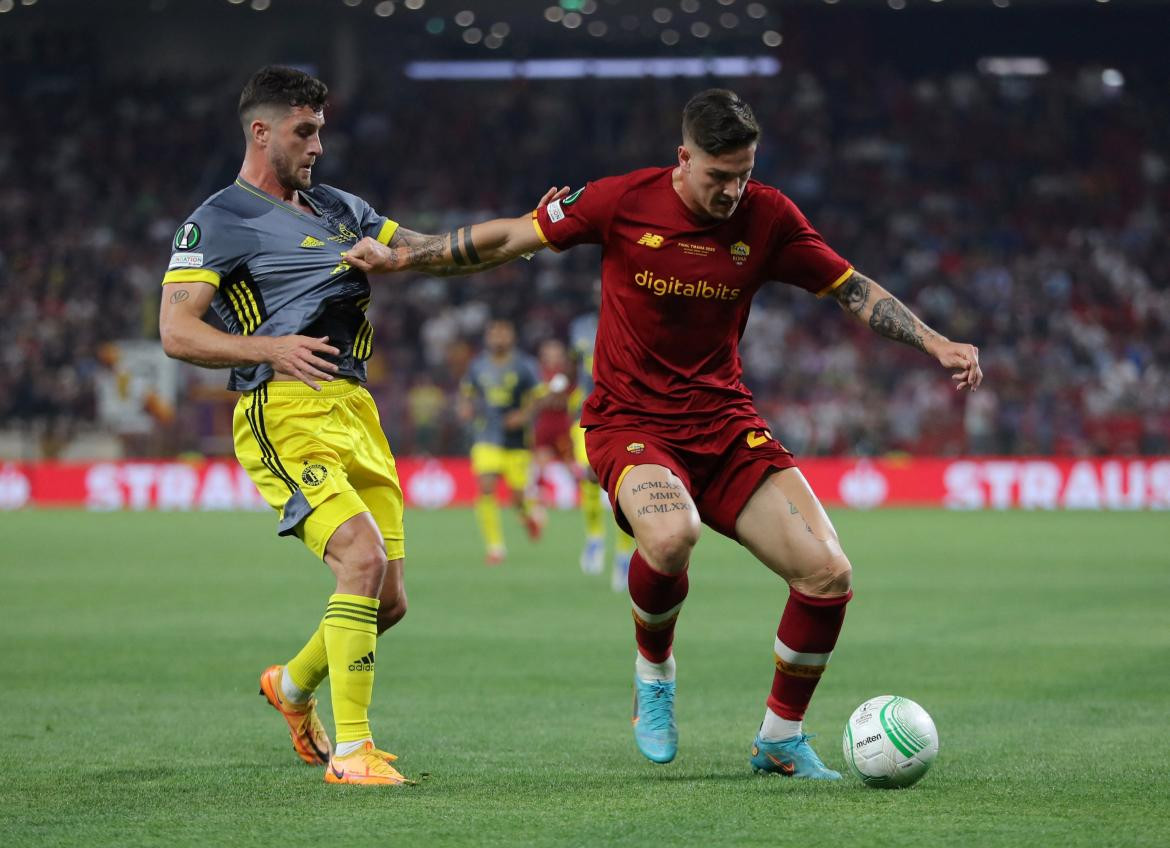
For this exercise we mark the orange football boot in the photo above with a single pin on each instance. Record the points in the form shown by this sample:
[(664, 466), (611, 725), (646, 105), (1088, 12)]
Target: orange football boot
[(309, 738), (367, 766)]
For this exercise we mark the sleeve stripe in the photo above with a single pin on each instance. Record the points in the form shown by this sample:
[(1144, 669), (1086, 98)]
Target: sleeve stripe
[(540, 232), (387, 232), (192, 275), (836, 283)]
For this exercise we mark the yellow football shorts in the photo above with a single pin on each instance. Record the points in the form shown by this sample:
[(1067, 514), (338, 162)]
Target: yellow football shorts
[(319, 459), (513, 463), (577, 434)]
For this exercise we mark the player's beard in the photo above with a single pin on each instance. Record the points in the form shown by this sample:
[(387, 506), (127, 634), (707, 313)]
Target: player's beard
[(288, 175)]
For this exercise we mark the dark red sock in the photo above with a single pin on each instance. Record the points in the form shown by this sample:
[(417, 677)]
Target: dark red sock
[(657, 598), (805, 639)]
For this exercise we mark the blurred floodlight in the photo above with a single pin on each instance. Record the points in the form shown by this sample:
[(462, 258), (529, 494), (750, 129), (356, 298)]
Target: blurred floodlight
[(554, 14), (1013, 66), (729, 20), (897, 4), (352, 3), (6, 6), (501, 29), (773, 38), (689, 6), (474, 35), (261, 5), (1112, 78), (414, 5), (465, 18), (700, 29), (489, 69), (756, 10), (384, 9), (662, 15), (670, 37), (572, 20), (598, 28)]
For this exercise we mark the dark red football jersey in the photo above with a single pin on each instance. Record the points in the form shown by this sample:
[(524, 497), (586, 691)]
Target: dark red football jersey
[(676, 290)]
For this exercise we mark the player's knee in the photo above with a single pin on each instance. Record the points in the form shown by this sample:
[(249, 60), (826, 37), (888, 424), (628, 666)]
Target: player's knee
[(365, 565), (830, 577), (667, 546)]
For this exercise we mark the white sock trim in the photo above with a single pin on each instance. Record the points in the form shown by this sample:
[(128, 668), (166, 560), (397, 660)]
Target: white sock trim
[(662, 672), (776, 729), (291, 692), (344, 749)]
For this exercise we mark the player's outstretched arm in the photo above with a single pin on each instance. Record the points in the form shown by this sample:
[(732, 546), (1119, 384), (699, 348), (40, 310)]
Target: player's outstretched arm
[(467, 250), (185, 335), (887, 316)]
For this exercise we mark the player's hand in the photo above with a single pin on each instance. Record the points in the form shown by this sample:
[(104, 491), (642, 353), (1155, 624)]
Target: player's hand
[(373, 257), (552, 194), (298, 356), (963, 360)]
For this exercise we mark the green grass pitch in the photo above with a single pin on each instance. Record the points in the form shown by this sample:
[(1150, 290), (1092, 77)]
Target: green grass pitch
[(1039, 642)]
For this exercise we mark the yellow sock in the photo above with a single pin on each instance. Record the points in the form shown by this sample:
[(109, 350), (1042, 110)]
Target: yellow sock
[(351, 629), (487, 512), (309, 667), (623, 543), (591, 508)]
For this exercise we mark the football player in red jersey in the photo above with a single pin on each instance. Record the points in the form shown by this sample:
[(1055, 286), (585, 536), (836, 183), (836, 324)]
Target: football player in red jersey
[(671, 430)]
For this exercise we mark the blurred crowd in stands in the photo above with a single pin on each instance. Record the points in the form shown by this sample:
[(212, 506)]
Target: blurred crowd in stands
[(1027, 216)]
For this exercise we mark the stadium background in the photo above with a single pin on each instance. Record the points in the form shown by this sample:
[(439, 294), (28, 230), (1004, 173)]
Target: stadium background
[(1002, 166)]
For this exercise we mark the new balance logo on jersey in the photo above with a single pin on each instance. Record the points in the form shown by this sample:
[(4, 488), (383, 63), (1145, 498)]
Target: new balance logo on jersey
[(365, 663), (312, 242), (651, 240)]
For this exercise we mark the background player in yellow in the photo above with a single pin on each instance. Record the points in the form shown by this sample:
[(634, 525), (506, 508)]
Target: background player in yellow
[(498, 398), (267, 253), (582, 336)]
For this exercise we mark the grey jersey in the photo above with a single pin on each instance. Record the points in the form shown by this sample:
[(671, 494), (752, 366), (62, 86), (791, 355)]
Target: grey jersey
[(497, 389), (278, 271)]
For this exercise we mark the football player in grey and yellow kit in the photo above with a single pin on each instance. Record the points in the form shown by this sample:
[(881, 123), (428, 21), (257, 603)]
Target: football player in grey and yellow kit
[(267, 253), (499, 393)]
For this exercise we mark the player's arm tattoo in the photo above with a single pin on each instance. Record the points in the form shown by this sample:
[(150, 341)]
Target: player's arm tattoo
[(180, 296), (447, 255), (853, 293), (886, 315)]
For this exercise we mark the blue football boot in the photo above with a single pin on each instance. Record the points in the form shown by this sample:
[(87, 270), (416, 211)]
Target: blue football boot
[(790, 758), (654, 727)]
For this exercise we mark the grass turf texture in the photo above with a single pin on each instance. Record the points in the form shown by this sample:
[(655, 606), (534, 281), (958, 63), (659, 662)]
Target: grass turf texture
[(132, 645)]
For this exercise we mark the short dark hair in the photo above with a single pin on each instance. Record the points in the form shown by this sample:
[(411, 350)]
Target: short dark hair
[(718, 121), (279, 85)]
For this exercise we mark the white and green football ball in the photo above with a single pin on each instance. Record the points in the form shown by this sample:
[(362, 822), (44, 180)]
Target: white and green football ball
[(890, 742)]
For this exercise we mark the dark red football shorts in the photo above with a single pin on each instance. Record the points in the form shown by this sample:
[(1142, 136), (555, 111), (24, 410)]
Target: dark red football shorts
[(721, 469)]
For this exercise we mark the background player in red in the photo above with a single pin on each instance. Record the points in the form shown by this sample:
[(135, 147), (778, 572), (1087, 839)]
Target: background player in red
[(671, 429)]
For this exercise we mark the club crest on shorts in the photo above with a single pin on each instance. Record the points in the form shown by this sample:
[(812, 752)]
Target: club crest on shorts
[(314, 475), (635, 447)]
